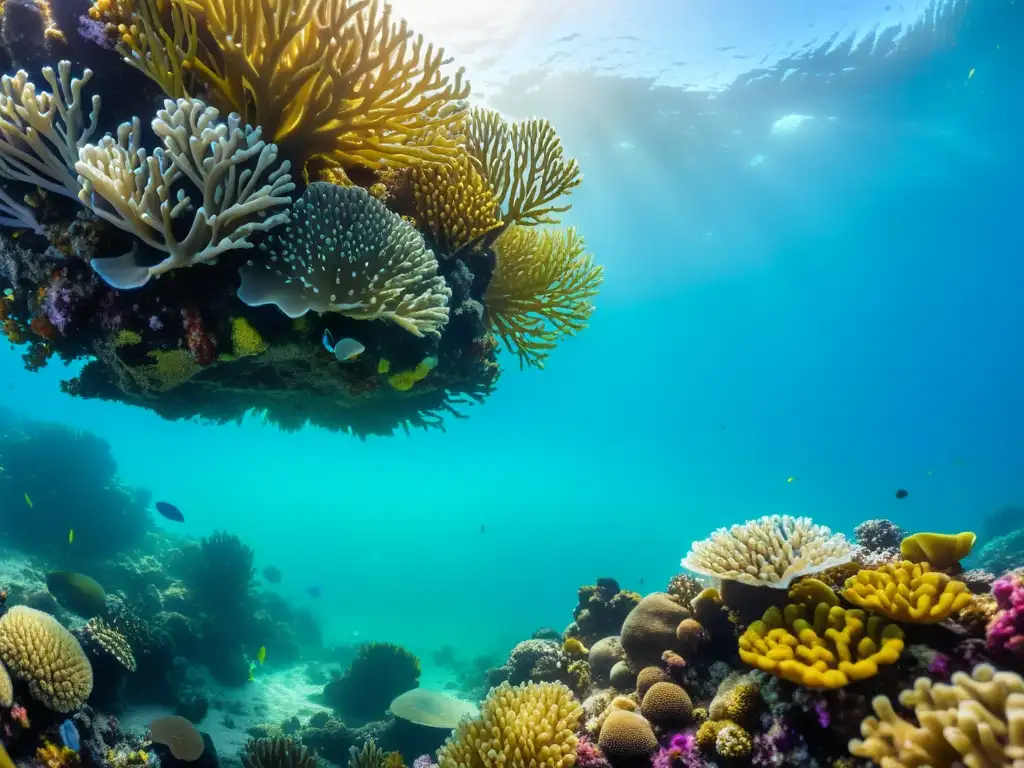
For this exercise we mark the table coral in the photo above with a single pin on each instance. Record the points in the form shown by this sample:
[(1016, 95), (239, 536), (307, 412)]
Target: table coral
[(976, 720), (821, 647), (1005, 633), (939, 550), (909, 592)]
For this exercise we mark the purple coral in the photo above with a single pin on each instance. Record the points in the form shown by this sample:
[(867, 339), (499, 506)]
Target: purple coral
[(1006, 631), (680, 751), (57, 304), (589, 755)]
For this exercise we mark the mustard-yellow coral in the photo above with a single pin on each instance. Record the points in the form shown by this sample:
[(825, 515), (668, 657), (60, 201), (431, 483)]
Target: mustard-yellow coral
[(525, 166), (541, 290), (940, 550), (246, 340), (454, 203), (910, 592), (37, 649), (339, 81), (976, 720), (829, 648), (527, 726)]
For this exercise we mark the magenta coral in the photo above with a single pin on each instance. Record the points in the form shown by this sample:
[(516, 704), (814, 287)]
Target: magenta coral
[(1006, 630), (589, 755), (681, 752)]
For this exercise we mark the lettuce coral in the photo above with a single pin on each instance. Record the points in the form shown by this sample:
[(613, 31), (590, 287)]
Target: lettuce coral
[(541, 290), (910, 592)]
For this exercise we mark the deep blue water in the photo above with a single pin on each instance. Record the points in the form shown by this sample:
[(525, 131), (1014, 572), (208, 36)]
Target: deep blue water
[(838, 303)]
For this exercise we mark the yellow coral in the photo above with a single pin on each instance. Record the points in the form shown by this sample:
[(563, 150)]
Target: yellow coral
[(246, 340), (940, 550), (6, 688), (906, 591), (170, 369), (404, 380), (574, 647), (525, 166), (737, 699), (340, 81), (541, 290), (52, 756), (836, 647), (454, 203), (126, 338), (708, 733), (977, 720), (733, 742), (527, 726), (812, 592), (37, 649)]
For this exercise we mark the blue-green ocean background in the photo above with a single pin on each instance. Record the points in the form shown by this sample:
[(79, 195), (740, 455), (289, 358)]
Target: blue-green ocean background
[(839, 303)]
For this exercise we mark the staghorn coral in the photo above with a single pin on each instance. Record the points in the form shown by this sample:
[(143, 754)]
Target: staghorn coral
[(100, 636), (977, 720), (829, 649), (143, 194), (525, 166), (345, 252), (908, 592), (280, 752), (335, 80), (939, 550), (453, 203), (541, 290), (770, 551), (37, 649), (527, 726)]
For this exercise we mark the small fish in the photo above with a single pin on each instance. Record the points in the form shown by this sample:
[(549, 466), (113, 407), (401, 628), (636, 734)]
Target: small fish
[(970, 74), (315, 591), (929, 472), (346, 350), (29, 501), (71, 536), (69, 735), (272, 574), (901, 494), (482, 529), (792, 478), (170, 511), (262, 655), (641, 581)]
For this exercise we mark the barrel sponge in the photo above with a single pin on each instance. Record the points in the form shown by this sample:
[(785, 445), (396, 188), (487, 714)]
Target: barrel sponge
[(6, 688), (909, 592), (37, 649), (647, 677), (823, 647), (530, 725), (975, 720), (667, 704), (650, 629), (771, 551), (626, 736)]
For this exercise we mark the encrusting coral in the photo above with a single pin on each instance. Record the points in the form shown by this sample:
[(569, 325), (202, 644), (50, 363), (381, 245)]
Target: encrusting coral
[(824, 647), (37, 649), (770, 551), (977, 720), (910, 592), (532, 725)]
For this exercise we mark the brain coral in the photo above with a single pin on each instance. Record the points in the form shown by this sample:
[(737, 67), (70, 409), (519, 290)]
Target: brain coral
[(833, 649), (626, 736), (650, 629), (37, 649), (977, 720), (603, 656), (771, 551), (647, 677), (531, 725), (667, 704), (906, 591)]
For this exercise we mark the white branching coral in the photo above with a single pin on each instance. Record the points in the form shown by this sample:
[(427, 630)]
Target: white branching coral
[(345, 252), (770, 552), (977, 720), (236, 174)]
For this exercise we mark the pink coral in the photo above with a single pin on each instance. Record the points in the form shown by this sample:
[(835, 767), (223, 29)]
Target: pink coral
[(681, 752), (589, 755), (1006, 630)]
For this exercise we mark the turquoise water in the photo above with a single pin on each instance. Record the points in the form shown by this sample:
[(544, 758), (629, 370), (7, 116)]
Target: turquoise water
[(833, 297)]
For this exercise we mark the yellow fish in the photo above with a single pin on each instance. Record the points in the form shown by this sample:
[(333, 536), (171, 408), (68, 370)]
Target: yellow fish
[(71, 536), (5, 759), (791, 479), (970, 74), (28, 501), (262, 656)]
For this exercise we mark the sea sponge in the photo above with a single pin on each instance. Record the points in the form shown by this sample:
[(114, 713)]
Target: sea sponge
[(826, 647), (647, 677), (37, 649), (6, 688), (527, 726), (179, 735), (976, 720), (737, 699), (650, 629), (940, 550), (770, 551), (906, 591), (279, 752), (667, 704), (626, 736)]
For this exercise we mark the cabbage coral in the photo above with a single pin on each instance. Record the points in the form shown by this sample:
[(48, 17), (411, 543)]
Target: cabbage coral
[(541, 290)]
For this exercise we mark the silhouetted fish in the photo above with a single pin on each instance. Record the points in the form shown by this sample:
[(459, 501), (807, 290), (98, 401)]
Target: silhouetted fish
[(315, 591), (482, 529), (77, 593), (272, 574), (170, 511), (901, 494)]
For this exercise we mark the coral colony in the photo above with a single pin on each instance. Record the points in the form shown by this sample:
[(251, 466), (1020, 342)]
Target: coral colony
[(260, 196)]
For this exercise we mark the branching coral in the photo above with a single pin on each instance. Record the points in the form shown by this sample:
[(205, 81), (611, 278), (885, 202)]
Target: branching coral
[(345, 252), (770, 551), (454, 203), (525, 166), (335, 80), (828, 649), (227, 162), (977, 720), (908, 592), (527, 726), (541, 290), (278, 752), (107, 640)]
